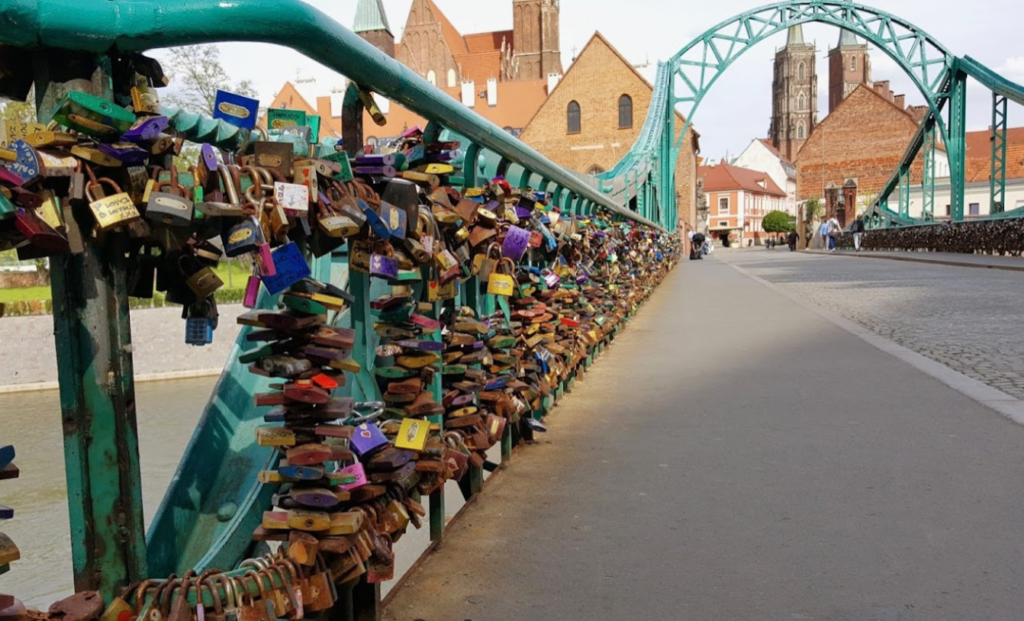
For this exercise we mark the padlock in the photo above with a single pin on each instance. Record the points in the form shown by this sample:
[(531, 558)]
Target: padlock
[(44, 239), (110, 211), (502, 282), (383, 264), (200, 323), (168, 203)]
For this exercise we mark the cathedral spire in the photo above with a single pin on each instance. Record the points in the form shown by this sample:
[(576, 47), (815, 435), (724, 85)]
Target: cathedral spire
[(796, 36), (370, 16), (847, 38)]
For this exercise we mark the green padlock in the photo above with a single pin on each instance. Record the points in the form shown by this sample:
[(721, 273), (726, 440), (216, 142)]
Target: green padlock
[(93, 116)]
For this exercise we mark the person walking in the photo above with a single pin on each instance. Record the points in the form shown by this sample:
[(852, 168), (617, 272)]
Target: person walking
[(857, 228), (823, 232), (793, 239), (834, 231)]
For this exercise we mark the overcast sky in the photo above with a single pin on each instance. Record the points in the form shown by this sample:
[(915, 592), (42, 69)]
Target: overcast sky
[(738, 108)]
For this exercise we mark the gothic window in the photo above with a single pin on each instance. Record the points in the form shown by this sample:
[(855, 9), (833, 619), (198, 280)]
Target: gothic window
[(800, 71), (800, 135), (595, 170), (432, 77), (572, 115), (853, 63), (625, 112), (451, 78), (801, 102)]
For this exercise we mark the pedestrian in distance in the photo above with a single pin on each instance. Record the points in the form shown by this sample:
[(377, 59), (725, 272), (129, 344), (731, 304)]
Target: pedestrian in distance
[(834, 231), (793, 239), (823, 231), (857, 228)]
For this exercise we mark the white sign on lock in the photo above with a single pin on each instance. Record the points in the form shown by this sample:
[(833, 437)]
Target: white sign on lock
[(292, 196)]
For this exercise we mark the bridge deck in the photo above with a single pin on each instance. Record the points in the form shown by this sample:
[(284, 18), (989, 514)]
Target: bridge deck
[(743, 458)]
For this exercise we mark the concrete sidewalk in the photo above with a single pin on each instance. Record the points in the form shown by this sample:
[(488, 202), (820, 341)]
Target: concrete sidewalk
[(741, 458)]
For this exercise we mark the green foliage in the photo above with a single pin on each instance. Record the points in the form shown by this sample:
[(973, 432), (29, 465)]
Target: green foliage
[(24, 111), (777, 222), (196, 75), (813, 209)]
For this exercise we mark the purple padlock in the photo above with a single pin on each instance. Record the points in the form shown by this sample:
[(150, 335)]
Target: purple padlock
[(382, 266), (515, 244), (551, 279), (523, 213), (367, 439), (146, 129), (125, 152), (209, 157)]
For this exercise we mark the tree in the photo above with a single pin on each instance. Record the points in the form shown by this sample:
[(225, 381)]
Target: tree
[(196, 76), (777, 222), (24, 111), (813, 209)]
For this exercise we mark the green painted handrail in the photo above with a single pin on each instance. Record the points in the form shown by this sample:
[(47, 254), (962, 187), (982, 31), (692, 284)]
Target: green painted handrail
[(137, 25)]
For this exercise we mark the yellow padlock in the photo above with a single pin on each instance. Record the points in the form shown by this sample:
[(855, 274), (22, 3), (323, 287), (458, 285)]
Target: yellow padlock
[(502, 283)]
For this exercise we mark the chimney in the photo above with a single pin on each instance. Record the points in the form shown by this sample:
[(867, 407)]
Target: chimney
[(469, 94), (337, 101), (900, 101), (553, 80), (492, 92)]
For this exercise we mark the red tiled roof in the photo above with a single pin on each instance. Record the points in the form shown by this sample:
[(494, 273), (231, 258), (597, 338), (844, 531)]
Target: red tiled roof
[(487, 41), (479, 67), (456, 43), (517, 103), (979, 154), (725, 177)]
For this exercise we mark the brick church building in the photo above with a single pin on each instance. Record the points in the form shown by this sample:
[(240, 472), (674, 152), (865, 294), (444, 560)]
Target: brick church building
[(845, 159), (596, 113)]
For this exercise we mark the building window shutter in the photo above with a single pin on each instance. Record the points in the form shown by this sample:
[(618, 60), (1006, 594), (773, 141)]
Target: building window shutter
[(573, 118), (625, 112)]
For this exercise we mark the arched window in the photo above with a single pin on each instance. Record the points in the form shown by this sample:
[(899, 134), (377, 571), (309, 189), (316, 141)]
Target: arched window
[(853, 63), (800, 132), (595, 170), (451, 78), (801, 102), (625, 112), (432, 77), (800, 71), (572, 119)]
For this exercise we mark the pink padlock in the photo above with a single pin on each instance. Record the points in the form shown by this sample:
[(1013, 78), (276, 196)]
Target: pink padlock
[(252, 291), (355, 470)]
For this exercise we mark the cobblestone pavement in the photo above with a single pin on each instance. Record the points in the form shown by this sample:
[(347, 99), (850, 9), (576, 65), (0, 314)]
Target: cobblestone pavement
[(964, 318)]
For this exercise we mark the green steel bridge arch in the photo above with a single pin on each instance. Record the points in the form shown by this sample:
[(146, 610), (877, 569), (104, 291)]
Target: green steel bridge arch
[(206, 521), (684, 80)]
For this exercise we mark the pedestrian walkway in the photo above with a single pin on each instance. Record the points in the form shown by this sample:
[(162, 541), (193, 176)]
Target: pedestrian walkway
[(734, 456)]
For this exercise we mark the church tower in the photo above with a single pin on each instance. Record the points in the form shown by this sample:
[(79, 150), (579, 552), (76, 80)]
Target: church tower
[(794, 95), (849, 66), (535, 38), (371, 24)]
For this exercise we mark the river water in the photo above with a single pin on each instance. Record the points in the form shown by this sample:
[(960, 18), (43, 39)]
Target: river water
[(167, 415)]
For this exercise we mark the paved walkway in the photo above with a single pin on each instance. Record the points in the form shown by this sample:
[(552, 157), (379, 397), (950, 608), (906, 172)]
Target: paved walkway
[(963, 318), (734, 456)]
